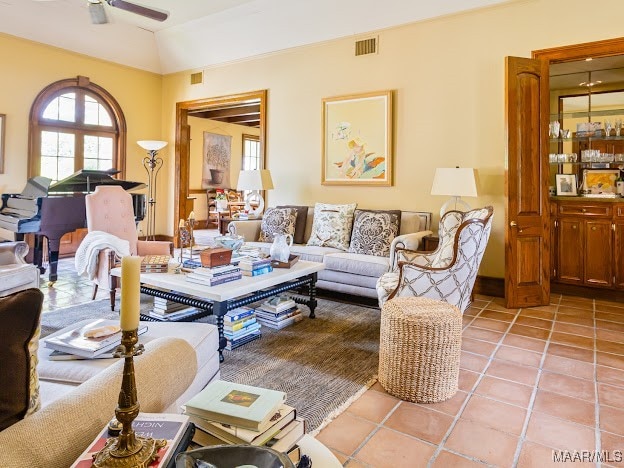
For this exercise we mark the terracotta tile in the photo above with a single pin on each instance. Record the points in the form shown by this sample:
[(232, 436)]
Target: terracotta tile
[(472, 311), (570, 409), (610, 347), (378, 388), (519, 356), (563, 365), (609, 335), (574, 329), (356, 464), (608, 303), (467, 379), (481, 334), (373, 406), (467, 438), (552, 308), (472, 362), (610, 376), (505, 391), (415, 420), (342, 458), (346, 433), (613, 326), (573, 340), (447, 459), (484, 348), (618, 318), (610, 307), (450, 406), (611, 443), (559, 434), (534, 455), (579, 302), (499, 304), (566, 310), (612, 420), (610, 395), (490, 324), (570, 352), (510, 371), (611, 360), (496, 315), (540, 314), (530, 332), (587, 322), (568, 385), (534, 322), (495, 414), (524, 343), (388, 448), (466, 321)]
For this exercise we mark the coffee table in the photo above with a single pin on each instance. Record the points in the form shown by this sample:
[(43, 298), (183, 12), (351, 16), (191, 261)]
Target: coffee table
[(217, 300)]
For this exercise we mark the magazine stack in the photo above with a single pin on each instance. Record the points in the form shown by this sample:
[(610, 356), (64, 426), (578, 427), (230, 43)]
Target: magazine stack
[(165, 309), (240, 326), (214, 276), (278, 312), (255, 266)]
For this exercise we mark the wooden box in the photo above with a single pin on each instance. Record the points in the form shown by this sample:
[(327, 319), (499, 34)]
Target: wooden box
[(215, 256)]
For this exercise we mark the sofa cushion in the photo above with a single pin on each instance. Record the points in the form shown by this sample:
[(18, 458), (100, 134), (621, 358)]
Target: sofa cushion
[(20, 315), (373, 232), (358, 264), (332, 225), (313, 253), (277, 221), (300, 223), (15, 275)]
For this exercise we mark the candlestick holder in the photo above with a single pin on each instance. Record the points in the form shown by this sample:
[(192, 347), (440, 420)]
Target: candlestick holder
[(128, 449)]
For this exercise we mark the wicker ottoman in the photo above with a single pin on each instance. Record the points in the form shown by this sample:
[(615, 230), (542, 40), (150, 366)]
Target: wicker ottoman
[(419, 349)]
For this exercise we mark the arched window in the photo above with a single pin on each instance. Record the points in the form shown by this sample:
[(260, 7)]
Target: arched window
[(75, 124)]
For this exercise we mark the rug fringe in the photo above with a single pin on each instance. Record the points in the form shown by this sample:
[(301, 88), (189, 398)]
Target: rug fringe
[(338, 411)]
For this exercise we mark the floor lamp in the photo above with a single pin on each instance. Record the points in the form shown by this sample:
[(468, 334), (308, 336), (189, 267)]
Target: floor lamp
[(152, 164), (456, 182)]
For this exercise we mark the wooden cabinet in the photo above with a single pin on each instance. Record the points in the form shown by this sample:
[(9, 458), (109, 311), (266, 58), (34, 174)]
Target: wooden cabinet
[(588, 240)]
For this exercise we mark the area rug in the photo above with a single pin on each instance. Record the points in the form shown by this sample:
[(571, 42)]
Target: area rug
[(321, 363)]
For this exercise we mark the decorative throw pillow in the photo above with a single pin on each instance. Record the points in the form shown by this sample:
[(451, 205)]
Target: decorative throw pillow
[(277, 221), (20, 315), (373, 231), (300, 225), (332, 225)]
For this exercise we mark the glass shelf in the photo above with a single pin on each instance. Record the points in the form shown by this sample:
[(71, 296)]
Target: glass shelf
[(598, 113), (587, 138), (597, 165)]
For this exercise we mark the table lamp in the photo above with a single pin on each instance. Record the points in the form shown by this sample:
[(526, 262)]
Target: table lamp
[(455, 182), (254, 180)]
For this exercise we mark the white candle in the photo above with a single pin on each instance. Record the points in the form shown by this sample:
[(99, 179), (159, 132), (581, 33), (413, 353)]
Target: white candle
[(181, 224), (191, 216), (130, 293)]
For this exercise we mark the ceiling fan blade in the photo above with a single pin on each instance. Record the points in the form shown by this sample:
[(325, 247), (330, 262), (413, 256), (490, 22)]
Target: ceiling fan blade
[(157, 15)]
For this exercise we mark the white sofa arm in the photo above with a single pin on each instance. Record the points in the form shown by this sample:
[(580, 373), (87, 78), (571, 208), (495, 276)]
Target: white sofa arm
[(250, 229), (409, 241), (57, 434)]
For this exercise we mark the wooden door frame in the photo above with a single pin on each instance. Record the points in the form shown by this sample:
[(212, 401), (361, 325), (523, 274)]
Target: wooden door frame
[(182, 144)]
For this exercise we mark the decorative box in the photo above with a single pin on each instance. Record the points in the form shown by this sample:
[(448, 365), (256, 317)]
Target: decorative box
[(215, 256)]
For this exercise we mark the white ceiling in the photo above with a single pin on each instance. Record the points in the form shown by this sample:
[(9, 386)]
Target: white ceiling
[(201, 33)]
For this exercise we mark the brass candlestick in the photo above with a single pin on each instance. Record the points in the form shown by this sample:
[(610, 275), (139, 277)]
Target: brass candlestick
[(127, 449)]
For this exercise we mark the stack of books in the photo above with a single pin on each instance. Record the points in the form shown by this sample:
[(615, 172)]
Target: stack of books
[(278, 312), (240, 327), (230, 413), (155, 263), (255, 266), (215, 275)]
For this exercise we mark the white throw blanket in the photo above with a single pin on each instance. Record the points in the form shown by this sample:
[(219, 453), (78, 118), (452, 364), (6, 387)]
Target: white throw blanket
[(86, 259)]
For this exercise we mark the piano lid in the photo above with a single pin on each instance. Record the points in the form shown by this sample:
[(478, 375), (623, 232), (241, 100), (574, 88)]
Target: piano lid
[(86, 180)]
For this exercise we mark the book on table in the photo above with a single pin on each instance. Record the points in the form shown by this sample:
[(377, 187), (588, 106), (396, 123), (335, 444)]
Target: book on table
[(258, 271), (243, 332), (288, 437), (236, 404), (171, 427), (155, 263), (278, 304), (74, 340)]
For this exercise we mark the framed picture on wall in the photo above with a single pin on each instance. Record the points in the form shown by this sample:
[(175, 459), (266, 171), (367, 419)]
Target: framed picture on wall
[(566, 184), (357, 139)]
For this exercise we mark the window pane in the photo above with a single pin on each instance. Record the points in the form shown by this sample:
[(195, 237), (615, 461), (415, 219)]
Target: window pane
[(106, 147), (90, 146), (91, 112), (67, 107), (51, 112), (65, 167), (49, 167), (49, 144), (104, 164), (66, 145), (103, 117), (90, 164)]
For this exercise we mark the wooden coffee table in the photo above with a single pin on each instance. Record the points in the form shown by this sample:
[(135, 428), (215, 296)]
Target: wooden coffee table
[(217, 300)]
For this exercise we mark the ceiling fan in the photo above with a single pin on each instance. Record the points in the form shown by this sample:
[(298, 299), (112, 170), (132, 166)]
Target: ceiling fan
[(98, 14)]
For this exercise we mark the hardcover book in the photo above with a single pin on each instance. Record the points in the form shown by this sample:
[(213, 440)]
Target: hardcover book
[(278, 304), (236, 404), (233, 344), (237, 314)]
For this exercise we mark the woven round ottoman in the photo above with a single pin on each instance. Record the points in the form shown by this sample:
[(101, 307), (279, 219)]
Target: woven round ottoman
[(420, 343)]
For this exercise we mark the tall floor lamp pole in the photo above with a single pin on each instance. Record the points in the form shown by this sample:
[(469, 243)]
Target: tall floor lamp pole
[(152, 164)]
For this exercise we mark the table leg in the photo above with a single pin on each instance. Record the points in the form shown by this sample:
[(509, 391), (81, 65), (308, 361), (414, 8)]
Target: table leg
[(312, 291), (220, 309)]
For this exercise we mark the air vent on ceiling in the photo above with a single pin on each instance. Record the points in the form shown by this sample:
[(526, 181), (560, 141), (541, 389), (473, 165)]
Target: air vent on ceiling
[(197, 78), (366, 46)]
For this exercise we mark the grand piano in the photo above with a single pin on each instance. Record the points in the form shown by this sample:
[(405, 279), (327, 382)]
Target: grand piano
[(51, 211)]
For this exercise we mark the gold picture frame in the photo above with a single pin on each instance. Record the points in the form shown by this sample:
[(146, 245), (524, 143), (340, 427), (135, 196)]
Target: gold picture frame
[(600, 181), (357, 139)]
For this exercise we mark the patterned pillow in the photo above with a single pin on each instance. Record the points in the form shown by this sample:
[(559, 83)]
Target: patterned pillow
[(332, 225), (277, 221), (373, 232)]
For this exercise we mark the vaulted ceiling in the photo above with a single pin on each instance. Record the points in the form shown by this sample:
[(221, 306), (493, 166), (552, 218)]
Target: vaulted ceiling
[(202, 33)]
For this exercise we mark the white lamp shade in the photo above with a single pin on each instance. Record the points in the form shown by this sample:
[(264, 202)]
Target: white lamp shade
[(455, 182), (255, 180), (152, 145)]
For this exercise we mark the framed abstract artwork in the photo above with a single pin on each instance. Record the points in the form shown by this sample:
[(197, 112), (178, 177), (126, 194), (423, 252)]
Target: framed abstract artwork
[(357, 139), (600, 182)]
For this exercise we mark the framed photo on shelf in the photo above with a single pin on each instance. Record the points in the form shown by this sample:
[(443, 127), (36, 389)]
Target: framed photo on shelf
[(566, 185), (600, 181)]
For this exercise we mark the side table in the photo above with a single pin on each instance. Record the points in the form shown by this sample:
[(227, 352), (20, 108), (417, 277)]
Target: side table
[(225, 220), (429, 243)]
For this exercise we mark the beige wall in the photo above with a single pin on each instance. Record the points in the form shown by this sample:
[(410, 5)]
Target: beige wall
[(28, 67), (448, 77)]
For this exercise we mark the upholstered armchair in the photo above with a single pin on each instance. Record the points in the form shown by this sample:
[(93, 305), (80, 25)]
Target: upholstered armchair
[(15, 273), (109, 209), (449, 272)]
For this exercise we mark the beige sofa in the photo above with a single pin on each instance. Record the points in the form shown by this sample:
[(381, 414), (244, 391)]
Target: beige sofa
[(346, 272), (79, 397)]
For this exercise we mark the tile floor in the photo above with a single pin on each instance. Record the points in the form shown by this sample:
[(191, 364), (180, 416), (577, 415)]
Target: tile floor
[(531, 380)]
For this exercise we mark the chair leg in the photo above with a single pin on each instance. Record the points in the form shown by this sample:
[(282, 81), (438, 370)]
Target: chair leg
[(112, 298), (95, 289)]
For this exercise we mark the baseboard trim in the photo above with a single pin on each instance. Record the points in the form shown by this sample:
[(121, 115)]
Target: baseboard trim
[(489, 286)]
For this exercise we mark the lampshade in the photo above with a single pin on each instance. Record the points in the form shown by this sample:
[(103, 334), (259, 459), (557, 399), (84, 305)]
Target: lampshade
[(152, 145), (255, 180), (455, 182)]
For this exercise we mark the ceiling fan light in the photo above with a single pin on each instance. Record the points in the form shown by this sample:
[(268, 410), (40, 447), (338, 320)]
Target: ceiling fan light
[(98, 14)]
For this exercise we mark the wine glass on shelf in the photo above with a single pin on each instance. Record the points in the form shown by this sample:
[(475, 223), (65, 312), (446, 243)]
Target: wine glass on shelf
[(608, 128), (618, 127)]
